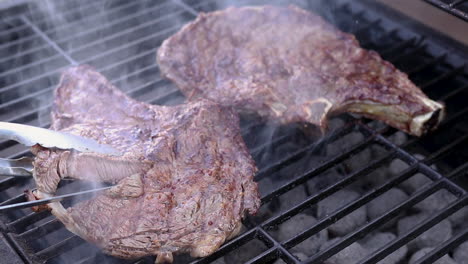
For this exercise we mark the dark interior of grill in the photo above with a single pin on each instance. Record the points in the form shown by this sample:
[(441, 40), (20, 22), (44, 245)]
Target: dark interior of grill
[(300, 171)]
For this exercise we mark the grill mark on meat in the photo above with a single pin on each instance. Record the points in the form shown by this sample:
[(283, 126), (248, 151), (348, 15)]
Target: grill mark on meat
[(183, 184), (277, 61)]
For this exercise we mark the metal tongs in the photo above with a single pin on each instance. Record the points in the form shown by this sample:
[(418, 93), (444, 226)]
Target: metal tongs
[(30, 136)]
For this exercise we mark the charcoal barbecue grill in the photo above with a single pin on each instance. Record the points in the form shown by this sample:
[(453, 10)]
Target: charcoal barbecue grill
[(119, 38)]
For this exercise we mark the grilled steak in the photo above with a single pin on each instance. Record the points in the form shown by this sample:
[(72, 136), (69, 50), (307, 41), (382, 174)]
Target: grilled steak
[(289, 65), (183, 184)]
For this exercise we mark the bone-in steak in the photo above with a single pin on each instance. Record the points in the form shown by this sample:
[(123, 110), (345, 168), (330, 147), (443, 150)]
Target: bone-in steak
[(289, 65), (183, 184)]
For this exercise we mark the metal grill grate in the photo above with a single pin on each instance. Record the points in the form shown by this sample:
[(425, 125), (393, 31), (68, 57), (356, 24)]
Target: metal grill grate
[(458, 8), (119, 39)]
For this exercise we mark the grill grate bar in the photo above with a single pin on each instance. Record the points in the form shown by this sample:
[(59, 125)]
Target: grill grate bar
[(418, 48), (7, 183), (35, 78), (14, 29), (29, 65), (453, 93), (27, 220), (444, 76), (428, 64), (448, 148), (444, 248), (29, 52), (264, 257), (401, 46), (275, 141), (48, 40), (186, 7), (419, 229), (271, 253), (15, 199), (62, 246), (456, 2), (457, 171), (42, 230), (229, 246), (19, 42)]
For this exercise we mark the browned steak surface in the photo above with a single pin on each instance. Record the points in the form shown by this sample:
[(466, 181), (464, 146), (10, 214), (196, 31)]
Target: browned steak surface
[(290, 65), (183, 184)]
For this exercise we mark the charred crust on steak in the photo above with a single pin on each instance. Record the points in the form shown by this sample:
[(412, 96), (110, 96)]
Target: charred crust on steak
[(276, 60)]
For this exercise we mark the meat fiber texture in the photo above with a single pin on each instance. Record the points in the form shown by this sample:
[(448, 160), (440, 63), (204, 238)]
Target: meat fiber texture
[(183, 183), (289, 65)]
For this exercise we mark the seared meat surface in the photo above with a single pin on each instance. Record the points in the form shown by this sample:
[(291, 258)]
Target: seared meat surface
[(289, 65), (183, 183)]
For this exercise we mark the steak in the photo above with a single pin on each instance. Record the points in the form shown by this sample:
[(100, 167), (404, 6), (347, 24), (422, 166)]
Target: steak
[(183, 183), (289, 65)]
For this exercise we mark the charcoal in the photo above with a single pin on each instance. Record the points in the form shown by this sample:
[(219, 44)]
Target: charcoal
[(399, 138), (421, 253), (348, 223), (435, 202), (384, 203), (375, 241), (293, 197), (460, 255), (323, 180), (265, 186), (245, 253), (219, 261), (414, 183), (458, 219), (374, 179), (432, 237), (301, 256), (350, 254), (396, 167), (358, 160), (344, 143), (298, 224)]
